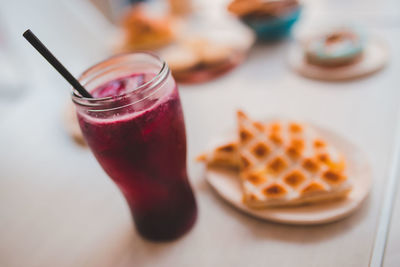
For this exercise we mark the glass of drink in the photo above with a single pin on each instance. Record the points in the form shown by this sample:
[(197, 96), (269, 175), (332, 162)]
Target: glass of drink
[(135, 128)]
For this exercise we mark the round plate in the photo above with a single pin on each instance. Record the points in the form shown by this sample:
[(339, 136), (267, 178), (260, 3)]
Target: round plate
[(374, 59), (227, 185)]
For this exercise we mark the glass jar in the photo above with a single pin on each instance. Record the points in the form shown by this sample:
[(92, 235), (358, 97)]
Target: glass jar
[(137, 134)]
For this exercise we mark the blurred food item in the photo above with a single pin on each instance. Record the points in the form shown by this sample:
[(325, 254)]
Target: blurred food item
[(180, 58), (197, 48), (72, 124), (142, 31), (209, 52), (337, 47), (282, 163), (270, 19), (198, 59), (194, 53), (180, 7), (207, 48)]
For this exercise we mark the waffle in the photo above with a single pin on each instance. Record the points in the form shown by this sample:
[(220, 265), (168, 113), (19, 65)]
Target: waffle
[(286, 163), (225, 156), (282, 163)]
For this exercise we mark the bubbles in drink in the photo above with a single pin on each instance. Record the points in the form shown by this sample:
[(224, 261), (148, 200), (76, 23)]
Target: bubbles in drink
[(122, 85)]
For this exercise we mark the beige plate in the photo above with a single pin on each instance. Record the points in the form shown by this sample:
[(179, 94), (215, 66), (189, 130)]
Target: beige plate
[(374, 59), (227, 185)]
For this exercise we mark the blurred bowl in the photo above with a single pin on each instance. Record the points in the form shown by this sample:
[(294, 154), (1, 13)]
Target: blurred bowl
[(273, 28)]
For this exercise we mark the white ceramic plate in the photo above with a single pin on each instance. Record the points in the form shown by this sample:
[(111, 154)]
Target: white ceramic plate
[(374, 59), (227, 185)]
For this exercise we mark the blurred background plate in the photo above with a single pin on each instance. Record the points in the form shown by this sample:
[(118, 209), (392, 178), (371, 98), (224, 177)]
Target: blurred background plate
[(374, 58)]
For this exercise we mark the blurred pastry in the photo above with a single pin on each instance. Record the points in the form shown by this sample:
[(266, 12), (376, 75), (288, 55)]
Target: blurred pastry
[(197, 55), (339, 47), (208, 52), (145, 32), (180, 7), (180, 58)]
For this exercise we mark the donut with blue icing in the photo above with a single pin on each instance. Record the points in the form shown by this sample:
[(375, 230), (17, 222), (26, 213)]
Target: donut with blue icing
[(336, 48)]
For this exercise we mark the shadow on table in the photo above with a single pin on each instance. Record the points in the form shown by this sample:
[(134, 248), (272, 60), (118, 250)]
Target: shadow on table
[(262, 229)]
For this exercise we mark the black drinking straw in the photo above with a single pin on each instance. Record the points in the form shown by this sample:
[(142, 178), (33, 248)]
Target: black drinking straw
[(42, 49)]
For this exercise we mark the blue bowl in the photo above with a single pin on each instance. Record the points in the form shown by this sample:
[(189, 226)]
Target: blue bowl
[(269, 29)]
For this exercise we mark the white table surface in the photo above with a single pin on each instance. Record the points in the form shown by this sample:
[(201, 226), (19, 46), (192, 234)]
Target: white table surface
[(58, 208), (392, 255)]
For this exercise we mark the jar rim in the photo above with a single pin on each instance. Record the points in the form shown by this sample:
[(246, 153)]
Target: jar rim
[(152, 83)]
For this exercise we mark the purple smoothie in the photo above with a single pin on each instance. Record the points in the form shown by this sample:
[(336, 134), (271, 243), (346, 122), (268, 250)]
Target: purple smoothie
[(143, 149)]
